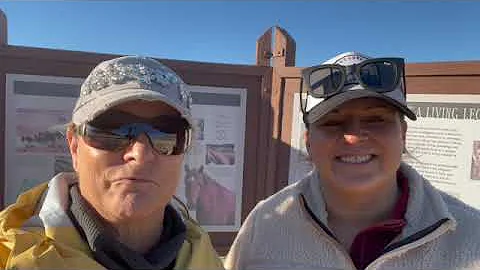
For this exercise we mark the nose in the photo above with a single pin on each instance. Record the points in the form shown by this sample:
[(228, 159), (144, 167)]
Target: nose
[(354, 139), (140, 150), (354, 133)]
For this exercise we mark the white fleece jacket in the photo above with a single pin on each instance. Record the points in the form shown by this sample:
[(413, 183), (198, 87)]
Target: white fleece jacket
[(289, 230)]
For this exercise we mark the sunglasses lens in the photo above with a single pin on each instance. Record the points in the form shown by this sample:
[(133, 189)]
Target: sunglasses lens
[(164, 143), (325, 81), (381, 75), (109, 142), (170, 142)]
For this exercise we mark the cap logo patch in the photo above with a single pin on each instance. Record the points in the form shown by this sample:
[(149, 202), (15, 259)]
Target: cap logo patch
[(123, 73), (351, 59)]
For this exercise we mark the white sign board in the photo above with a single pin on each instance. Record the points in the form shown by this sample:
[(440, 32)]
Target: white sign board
[(213, 171), (33, 154), (443, 143), (300, 164)]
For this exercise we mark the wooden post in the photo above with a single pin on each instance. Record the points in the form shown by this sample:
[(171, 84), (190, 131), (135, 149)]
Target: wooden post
[(284, 52), (281, 54), (3, 29), (264, 48)]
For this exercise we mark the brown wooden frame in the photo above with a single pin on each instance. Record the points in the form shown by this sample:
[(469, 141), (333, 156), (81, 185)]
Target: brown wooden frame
[(421, 78), (256, 79), (270, 93)]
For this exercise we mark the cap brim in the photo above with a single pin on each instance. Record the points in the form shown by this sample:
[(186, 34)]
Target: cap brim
[(331, 103), (90, 110)]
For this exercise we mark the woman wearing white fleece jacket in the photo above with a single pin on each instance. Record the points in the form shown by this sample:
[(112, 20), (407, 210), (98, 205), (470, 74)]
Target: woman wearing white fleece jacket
[(361, 208)]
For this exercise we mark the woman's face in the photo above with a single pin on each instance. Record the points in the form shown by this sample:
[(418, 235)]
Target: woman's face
[(357, 146), (129, 185)]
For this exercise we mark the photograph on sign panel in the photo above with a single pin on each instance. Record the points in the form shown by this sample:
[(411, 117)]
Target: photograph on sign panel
[(34, 134), (220, 154), (475, 168)]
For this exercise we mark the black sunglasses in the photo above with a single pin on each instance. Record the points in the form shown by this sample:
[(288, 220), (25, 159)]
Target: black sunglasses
[(171, 139), (377, 74)]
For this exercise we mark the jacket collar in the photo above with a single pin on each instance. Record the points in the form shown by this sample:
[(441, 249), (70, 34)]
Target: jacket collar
[(42, 206), (425, 206), (51, 213), (42, 210)]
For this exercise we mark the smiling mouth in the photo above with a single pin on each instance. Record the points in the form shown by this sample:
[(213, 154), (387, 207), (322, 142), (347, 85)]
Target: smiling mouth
[(355, 159)]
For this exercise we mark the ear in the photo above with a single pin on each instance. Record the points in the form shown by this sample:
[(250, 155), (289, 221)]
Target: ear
[(72, 141)]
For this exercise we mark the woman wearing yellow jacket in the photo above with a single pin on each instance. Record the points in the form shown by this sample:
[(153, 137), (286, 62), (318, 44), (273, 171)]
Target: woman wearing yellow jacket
[(130, 129)]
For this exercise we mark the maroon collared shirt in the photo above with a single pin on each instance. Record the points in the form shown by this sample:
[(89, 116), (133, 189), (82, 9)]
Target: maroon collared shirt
[(370, 243)]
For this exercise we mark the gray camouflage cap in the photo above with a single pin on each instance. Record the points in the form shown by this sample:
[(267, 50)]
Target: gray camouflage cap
[(130, 78)]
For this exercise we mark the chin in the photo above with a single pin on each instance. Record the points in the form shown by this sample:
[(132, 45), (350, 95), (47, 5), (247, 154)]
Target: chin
[(134, 208), (129, 215), (356, 183)]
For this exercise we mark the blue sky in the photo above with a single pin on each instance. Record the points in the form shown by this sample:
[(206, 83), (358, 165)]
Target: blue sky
[(226, 31)]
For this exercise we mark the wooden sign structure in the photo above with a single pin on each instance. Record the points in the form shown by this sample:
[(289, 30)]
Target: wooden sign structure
[(59, 66), (271, 87)]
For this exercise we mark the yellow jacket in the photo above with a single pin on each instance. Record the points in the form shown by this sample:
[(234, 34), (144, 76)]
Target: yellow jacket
[(35, 233)]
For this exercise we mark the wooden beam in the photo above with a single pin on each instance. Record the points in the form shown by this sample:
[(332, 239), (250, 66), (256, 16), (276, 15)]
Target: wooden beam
[(264, 48), (3, 29), (284, 52)]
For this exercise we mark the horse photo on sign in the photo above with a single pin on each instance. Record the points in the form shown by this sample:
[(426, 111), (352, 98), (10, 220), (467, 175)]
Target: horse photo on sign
[(213, 203)]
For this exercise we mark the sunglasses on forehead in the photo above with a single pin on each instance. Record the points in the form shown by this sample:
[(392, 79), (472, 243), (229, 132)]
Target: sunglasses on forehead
[(378, 74), (166, 140)]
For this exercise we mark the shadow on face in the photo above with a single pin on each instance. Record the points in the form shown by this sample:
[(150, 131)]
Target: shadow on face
[(358, 145), (131, 184)]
